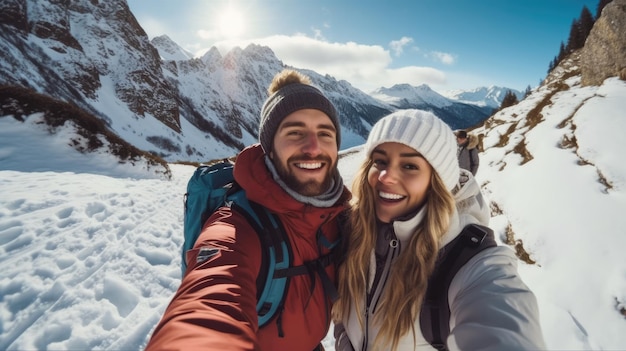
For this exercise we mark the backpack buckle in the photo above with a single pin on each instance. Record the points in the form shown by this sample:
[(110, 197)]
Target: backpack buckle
[(475, 234)]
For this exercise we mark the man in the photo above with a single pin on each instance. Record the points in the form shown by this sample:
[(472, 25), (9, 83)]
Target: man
[(293, 173), (467, 151)]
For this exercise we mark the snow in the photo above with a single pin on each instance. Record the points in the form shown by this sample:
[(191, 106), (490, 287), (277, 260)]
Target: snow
[(90, 249)]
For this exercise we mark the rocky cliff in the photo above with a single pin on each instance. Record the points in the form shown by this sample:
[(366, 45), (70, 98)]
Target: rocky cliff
[(604, 53)]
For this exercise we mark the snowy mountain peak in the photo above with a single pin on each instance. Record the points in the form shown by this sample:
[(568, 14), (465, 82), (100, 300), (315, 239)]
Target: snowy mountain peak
[(169, 50), (212, 55), (416, 94), (483, 96)]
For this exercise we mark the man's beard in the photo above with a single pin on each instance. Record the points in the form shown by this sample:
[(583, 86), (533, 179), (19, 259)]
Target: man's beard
[(307, 188)]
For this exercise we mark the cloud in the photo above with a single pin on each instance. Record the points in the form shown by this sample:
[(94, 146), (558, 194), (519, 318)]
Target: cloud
[(445, 58), (397, 46), (317, 34), (366, 67)]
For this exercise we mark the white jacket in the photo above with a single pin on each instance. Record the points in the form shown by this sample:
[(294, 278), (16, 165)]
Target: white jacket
[(490, 306)]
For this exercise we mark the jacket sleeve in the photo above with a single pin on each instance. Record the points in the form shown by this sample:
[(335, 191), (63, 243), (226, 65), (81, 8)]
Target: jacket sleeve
[(215, 305), (475, 160), (490, 306)]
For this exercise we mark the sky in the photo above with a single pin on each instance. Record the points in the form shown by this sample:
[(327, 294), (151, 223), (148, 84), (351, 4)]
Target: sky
[(448, 45), (90, 249)]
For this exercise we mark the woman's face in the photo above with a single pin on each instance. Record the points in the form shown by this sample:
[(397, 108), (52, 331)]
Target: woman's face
[(400, 178)]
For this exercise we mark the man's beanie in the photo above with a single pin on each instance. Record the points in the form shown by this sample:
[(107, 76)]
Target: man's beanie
[(425, 133), (291, 91)]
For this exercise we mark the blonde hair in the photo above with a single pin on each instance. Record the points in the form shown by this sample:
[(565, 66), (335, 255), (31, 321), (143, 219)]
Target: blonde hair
[(399, 307)]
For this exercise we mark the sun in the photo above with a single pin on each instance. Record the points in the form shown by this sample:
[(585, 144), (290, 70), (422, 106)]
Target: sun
[(231, 22)]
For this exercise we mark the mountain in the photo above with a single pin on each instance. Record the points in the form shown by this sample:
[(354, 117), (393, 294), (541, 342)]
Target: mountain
[(169, 50), (489, 97), (82, 136), (154, 94), (96, 56), (458, 114), (401, 95)]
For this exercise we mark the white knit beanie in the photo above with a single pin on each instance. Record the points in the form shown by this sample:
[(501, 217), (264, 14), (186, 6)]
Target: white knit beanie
[(424, 132)]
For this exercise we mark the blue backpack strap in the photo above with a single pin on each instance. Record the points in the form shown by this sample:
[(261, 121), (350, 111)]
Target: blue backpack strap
[(276, 256), (435, 312)]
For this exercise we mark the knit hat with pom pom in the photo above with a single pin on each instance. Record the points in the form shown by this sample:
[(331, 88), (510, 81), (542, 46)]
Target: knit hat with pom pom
[(291, 91)]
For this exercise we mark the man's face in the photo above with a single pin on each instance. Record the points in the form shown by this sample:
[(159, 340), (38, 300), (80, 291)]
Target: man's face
[(305, 151), (460, 140)]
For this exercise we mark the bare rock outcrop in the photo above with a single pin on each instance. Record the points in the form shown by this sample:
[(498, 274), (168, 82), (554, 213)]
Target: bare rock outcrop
[(604, 53)]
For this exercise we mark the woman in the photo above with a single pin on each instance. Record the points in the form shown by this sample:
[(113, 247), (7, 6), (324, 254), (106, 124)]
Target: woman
[(410, 199)]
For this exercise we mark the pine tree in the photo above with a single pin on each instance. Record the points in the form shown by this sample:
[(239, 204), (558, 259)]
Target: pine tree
[(562, 52), (509, 100), (586, 23), (580, 30), (551, 66), (575, 40), (527, 91)]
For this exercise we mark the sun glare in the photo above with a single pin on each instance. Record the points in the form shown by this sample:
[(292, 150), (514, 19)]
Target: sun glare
[(231, 23)]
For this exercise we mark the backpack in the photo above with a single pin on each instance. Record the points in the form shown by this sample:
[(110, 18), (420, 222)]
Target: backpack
[(435, 312), (211, 187)]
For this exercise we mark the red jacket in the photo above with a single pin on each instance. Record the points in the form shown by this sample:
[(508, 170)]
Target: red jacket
[(215, 305)]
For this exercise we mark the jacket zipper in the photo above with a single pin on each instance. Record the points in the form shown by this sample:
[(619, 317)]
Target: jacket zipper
[(367, 327), (381, 284), (368, 301)]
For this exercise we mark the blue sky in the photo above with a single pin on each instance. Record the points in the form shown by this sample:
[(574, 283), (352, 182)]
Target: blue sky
[(453, 44)]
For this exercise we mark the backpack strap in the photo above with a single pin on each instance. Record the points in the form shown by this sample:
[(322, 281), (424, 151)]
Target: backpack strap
[(276, 256), (473, 152), (317, 266), (435, 312), (276, 265)]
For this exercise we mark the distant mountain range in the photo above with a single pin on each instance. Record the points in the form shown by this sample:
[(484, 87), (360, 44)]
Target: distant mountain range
[(156, 96), (460, 109), (487, 97)]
